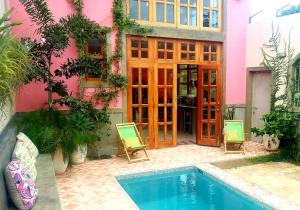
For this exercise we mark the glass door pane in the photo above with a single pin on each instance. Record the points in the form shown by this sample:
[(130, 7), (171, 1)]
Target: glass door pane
[(138, 93)]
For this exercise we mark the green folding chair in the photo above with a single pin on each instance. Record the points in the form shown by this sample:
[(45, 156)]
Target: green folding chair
[(234, 135), (131, 141)]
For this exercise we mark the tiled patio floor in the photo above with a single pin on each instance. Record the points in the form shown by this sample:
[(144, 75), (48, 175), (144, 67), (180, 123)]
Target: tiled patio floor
[(91, 186), (287, 174)]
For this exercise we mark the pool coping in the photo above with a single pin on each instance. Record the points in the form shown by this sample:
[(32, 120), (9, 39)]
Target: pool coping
[(224, 177)]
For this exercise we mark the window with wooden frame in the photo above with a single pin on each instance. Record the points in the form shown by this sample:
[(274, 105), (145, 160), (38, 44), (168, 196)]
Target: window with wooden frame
[(138, 47), (211, 14), (188, 13), (139, 10), (96, 47), (210, 52), (165, 11), (165, 49), (188, 51)]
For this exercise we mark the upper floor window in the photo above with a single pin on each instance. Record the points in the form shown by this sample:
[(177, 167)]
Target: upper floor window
[(211, 13), (190, 14), (297, 83), (139, 9), (165, 11)]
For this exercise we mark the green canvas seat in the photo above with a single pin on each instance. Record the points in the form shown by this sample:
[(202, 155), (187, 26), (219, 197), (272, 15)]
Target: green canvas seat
[(131, 141), (234, 135)]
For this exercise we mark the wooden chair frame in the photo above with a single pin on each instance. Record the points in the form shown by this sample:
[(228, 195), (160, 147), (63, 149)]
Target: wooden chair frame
[(132, 150)]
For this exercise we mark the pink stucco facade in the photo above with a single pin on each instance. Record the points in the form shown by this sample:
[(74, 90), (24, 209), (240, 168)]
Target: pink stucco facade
[(33, 96), (238, 12)]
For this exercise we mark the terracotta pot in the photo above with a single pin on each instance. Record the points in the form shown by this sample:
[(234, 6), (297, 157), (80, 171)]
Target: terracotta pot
[(271, 142), (60, 166), (79, 155)]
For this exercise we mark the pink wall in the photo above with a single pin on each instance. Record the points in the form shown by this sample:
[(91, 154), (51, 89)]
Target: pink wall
[(33, 96), (238, 12)]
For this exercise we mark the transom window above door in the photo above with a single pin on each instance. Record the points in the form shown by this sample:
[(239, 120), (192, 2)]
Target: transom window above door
[(210, 52), (165, 49), (138, 48), (186, 14)]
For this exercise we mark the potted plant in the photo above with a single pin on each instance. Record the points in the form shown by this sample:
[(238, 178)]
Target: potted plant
[(279, 124), (278, 127), (44, 128), (82, 131)]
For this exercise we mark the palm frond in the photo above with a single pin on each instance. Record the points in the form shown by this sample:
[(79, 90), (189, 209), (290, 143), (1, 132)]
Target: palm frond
[(39, 12), (4, 25)]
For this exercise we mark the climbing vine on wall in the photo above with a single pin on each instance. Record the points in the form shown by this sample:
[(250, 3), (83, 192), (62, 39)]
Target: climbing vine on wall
[(55, 39), (121, 23), (81, 28), (277, 58)]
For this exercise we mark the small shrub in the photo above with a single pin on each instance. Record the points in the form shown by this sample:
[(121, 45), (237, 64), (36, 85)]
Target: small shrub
[(282, 124), (50, 129)]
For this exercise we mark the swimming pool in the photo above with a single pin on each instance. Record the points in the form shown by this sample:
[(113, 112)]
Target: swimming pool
[(185, 188)]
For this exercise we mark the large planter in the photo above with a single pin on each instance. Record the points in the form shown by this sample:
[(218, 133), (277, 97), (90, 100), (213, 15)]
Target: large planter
[(79, 155), (271, 142), (60, 165)]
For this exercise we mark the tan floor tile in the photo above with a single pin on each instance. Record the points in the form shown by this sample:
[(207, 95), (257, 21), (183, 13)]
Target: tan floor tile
[(92, 186)]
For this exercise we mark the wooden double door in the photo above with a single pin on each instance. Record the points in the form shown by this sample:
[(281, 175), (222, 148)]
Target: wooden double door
[(152, 93), (152, 103)]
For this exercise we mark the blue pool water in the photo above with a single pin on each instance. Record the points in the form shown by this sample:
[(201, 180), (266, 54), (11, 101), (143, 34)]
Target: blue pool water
[(184, 189)]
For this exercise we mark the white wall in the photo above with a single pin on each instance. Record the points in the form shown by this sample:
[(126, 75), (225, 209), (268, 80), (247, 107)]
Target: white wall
[(268, 8), (3, 6), (9, 109), (259, 32)]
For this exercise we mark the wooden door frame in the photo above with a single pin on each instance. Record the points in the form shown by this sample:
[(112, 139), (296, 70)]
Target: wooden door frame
[(218, 105), (152, 62), (174, 106), (131, 65)]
